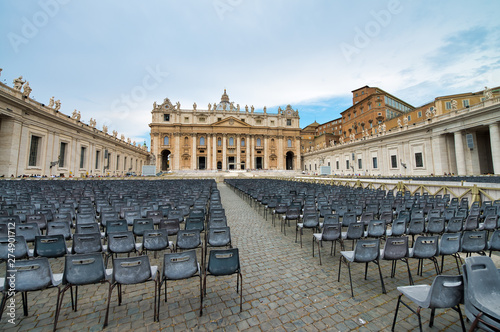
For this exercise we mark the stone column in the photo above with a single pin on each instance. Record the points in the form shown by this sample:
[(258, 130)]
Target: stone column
[(194, 158), (298, 160), (214, 152), (495, 152), (177, 151), (266, 153), (248, 151), (439, 155), (224, 152), (459, 153), (208, 162), (281, 152), (238, 151), (252, 152)]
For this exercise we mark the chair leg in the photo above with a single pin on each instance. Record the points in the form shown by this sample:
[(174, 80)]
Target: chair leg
[(350, 278), (419, 319), (319, 252), (431, 320), (110, 291), (457, 309), (396, 313), (381, 277), (340, 267), (201, 295), (4, 302), (24, 296), (60, 297), (241, 291)]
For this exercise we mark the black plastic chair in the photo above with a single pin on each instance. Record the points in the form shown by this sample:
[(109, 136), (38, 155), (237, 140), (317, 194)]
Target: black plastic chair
[(59, 227), (80, 270), (178, 266), (131, 271), (355, 231), (218, 237), (156, 240), (310, 221), (85, 218), (30, 275), (292, 213), (40, 219), (330, 232), (398, 227), (189, 239), (396, 248), (141, 225), (445, 292), (481, 293), (474, 242), (50, 246), (449, 244), (494, 242), (130, 216), (121, 243), (416, 226), (435, 225), (171, 225), (223, 262), (17, 248), (84, 243), (366, 251), (113, 226), (29, 231), (195, 223), (454, 225), (425, 247), (376, 229)]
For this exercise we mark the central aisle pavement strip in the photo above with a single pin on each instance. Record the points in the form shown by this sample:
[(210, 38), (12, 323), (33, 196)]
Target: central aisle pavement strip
[(284, 289)]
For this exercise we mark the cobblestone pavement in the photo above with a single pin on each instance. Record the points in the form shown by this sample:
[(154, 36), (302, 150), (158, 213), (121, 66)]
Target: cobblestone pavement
[(284, 289)]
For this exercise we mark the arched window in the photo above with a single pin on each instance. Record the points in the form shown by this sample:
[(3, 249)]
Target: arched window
[(166, 140), (186, 141), (272, 142), (259, 143), (289, 143), (231, 141), (219, 142), (202, 140), (242, 142)]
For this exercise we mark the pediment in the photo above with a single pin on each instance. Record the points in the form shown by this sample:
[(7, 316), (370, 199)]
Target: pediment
[(231, 122)]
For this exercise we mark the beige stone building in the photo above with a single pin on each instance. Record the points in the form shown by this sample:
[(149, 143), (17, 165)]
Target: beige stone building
[(38, 139), (456, 134), (224, 136)]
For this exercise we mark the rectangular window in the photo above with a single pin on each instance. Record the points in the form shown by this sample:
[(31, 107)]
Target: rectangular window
[(465, 102), (360, 164), (409, 117), (258, 122), (419, 114), (186, 119), (448, 105), (338, 164), (34, 148), (419, 161), (124, 163), (288, 122), (272, 122), (62, 154), (375, 162), (117, 162), (83, 152), (97, 156), (347, 164), (394, 161), (166, 117)]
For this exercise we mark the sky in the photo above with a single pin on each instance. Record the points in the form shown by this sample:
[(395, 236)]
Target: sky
[(112, 59)]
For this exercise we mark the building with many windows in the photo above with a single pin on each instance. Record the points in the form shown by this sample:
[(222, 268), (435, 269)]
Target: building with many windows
[(224, 137), (455, 134), (36, 139)]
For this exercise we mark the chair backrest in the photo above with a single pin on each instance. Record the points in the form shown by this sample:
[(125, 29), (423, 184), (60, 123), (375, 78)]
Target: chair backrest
[(490, 222), (454, 225), (113, 226), (130, 216), (195, 223), (188, 239), (28, 230), (449, 243), (155, 239), (84, 243), (50, 246), (482, 284), (446, 291), (218, 237), (224, 262), (349, 218), (473, 241), (366, 217), (85, 218), (376, 228), (331, 219), (425, 247), (31, 275), (18, 248), (180, 265), (310, 220), (176, 214), (355, 231), (471, 223), (367, 250), (121, 242), (84, 269), (131, 270), (171, 225), (87, 228), (416, 226), (59, 227), (40, 219), (331, 232), (398, 227), (142, 224), (396, 248), (435, 225), (494, 243)]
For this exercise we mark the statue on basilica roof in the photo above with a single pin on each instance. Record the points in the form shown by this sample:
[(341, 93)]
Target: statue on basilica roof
[(57, 106), (194, 107), (18, 83), (27, 89), (51, 102), (209, 107)]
